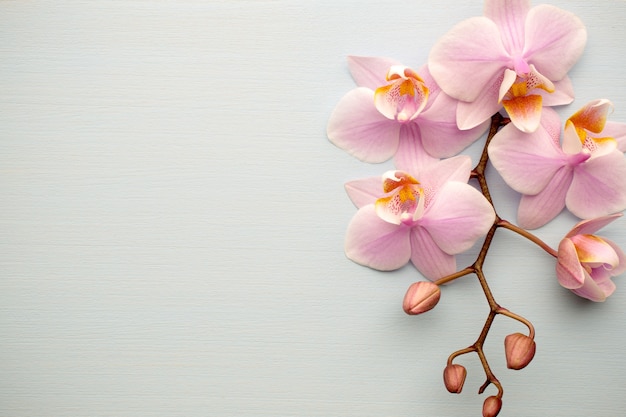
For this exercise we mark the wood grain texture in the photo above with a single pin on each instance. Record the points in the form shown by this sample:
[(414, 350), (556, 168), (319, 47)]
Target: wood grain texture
[(172, 222)]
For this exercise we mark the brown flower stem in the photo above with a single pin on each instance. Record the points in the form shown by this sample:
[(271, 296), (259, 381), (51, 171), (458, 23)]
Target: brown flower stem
[(497, 121), (478, 173), (507, 225), (531, 328), (452, 277)]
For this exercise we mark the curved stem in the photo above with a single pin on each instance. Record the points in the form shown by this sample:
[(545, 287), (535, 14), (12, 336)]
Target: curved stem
[(454, 276), (531, 328), (478, 173), (522, 232)]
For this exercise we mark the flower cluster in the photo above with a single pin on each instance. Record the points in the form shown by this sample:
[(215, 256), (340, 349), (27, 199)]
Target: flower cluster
[(498, 74)]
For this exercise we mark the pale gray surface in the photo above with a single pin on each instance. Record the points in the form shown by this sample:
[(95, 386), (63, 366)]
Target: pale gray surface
[(173, 219)]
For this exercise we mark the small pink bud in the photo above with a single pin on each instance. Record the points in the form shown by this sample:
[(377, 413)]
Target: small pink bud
[(519, 349), (454, 378), (421, 297), (492, 406)]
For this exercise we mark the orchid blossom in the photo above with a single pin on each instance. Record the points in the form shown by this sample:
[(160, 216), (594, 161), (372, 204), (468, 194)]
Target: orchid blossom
[(514, 56), (586, 262), (587, 174), (426, 216), (395, 109)]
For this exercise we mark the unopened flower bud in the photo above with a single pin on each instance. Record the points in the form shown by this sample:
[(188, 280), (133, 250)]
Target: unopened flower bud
[(454, 378), (492, 406), (519, 349), (421, 297)]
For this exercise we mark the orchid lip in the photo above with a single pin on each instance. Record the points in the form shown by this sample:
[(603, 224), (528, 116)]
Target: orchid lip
[(404, 98), (404, 200)]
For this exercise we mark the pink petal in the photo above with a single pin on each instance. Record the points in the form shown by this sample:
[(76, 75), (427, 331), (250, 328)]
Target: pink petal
[(555, 40), (527, 162), (588, 227), (372, 242), (428, 258), (364, 191), (370, 72), (607, 287), (592, 116), (411, 155), (616, 131), (358, 128), (563, 93), (438, 125), (598, 187), (525, 112), (593, 250), (536, 210), (509, 15), (458, 215), (592, 291), (468, 59), (457, 168), (403, 97), (569, 271), (486, 104), (621, 268)]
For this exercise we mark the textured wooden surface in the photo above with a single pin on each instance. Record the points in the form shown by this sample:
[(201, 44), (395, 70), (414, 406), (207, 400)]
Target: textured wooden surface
[(172, 220)]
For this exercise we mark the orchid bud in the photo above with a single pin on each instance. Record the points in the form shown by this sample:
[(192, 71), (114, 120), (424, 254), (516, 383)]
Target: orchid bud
[(492, 406), (519, 349), (421, 297), (454, 378)]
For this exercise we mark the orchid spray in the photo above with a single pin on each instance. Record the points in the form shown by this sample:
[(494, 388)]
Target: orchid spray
[(498, 75)]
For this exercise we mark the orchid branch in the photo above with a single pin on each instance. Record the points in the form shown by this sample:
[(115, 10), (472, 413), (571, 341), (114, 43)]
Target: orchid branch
[(520, 348), (525, 233)]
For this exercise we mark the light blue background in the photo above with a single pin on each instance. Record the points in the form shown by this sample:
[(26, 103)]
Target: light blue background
[(172, 222)]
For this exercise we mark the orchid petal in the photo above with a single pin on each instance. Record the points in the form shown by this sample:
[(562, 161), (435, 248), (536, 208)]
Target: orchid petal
[(474, 45), (373, 242), (621, 267), (402, 197), (508, 80), (509, 15), (524, 111), (364, 191), (618, 132), (411, 155), (403, 97), (444, 140), (536, 210), (592, 116), (457, 168), (563, 93), (572, 144), (598, 187), (470, 115), (428, 258), (554, 40), (607, 287), (438, 126), (527, 162), (593, 250), (569, 271), (592, 291), (457, 217), (358, 128), (370, 72), (587, 227)]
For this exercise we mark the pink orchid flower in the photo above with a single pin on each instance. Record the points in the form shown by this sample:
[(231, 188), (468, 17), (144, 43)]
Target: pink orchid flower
[(586, 174), (395, 108), (426, 216), (514, 56), (586, 262)]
